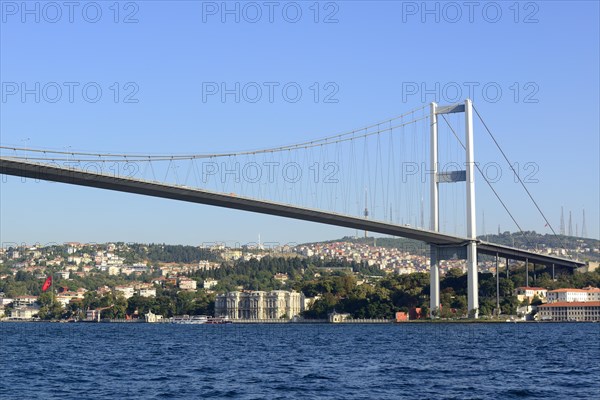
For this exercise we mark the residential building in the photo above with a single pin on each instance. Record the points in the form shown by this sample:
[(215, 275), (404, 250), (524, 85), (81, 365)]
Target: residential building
[(207, 265), (210, 283), (148, 292), (64, 274), (570, 311), (187, 284), (114, 270), (126, 291), (524, 292), (4, 301), (259, 304), (66, 296), (231, 254), (24, 301)]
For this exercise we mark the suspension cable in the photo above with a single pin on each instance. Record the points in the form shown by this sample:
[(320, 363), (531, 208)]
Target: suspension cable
[(489, 184), (519, 178), (342, 137)]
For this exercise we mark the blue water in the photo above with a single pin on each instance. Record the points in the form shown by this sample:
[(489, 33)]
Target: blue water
[(411, 361)]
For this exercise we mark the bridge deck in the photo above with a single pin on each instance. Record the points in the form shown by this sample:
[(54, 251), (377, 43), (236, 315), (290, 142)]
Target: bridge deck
[(25, 169)]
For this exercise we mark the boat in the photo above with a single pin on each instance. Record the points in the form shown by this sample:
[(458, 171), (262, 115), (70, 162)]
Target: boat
[(199, 319), (190, 320), (218, 320)]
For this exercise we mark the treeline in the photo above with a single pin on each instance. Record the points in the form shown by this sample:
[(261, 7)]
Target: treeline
[(166, 253), (168, 302), (260, 274), (334, 284), (340, 293)]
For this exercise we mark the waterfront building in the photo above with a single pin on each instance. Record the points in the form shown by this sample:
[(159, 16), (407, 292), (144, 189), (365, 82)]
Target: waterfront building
[(570, 311), (259, 304), (336, 317), (24, 312), (574, 295), (151, 317)]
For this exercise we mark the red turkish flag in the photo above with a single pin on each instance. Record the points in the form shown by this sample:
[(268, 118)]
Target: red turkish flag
[(47, 283)]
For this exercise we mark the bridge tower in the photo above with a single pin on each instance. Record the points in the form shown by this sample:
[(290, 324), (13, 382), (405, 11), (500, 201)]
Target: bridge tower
[(438, 253)]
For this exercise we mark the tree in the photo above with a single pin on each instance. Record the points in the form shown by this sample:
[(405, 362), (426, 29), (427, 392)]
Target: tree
[(49, 307)]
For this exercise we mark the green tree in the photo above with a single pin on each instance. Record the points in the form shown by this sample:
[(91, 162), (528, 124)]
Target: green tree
[(49, 307)]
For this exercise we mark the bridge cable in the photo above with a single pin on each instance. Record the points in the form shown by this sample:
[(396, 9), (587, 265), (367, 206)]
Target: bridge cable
[(519, 178), (342, 137), (489, 184), (165, 157)]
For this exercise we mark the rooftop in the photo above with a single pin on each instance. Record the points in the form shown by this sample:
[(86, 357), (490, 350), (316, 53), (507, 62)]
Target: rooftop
[(571, 304), (565, 290)]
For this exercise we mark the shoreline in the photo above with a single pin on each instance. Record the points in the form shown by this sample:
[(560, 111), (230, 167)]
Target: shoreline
[(318, 322)]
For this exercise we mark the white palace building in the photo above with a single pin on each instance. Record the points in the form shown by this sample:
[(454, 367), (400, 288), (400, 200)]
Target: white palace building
[(258, 305), (571, 305)]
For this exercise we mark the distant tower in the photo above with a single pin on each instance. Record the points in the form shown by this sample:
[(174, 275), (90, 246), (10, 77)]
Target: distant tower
[(570, 225), (562, 221), (583, 227), (498, 229), (366, 210)]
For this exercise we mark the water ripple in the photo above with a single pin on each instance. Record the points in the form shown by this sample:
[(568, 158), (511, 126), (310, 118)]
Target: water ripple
[(405, 361)]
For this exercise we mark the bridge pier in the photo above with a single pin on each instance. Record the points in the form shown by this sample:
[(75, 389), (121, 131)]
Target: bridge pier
[(472, 281), (472, 278), (434, 281), (434, 270), (497, 287), (468, 176)]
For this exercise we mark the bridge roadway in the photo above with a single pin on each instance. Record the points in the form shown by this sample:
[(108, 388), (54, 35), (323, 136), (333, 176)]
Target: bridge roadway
[(55, 173)]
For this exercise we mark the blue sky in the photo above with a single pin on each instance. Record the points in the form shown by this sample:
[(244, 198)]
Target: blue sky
[(162, 54)]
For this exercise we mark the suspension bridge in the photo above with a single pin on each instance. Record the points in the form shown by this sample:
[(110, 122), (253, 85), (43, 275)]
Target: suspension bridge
[(379, 178)]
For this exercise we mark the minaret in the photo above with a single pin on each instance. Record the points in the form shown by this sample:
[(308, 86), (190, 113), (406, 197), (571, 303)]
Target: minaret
[(570, 225), (562, 221), (583, 227)]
